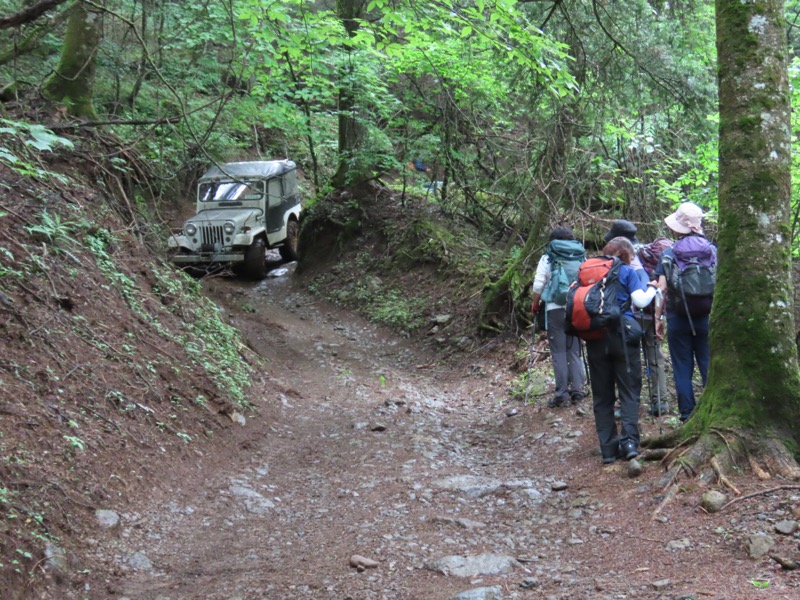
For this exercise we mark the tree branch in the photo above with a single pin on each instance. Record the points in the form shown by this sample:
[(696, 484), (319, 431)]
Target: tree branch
[(29, 14), (163, 121), (759, 493), (32, 38), (657, 79)]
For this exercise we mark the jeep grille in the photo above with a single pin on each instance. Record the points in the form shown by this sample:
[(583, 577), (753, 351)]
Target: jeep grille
[(212, 235)]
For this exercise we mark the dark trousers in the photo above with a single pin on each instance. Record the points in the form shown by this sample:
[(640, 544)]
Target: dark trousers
[(684, 348), (614, 363), (565, 351)]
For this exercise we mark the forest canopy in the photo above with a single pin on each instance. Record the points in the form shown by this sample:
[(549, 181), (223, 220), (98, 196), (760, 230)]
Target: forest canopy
[(526, 114)]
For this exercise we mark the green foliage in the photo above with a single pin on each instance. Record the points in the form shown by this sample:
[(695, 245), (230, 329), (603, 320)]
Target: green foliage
[(57, 231), (691, 177), (520, 387), (212, 344), (209, 341), (451, 248), (75, 442), (396, 309), (529, 384), (521, 277), (19, 143), (7, 259)]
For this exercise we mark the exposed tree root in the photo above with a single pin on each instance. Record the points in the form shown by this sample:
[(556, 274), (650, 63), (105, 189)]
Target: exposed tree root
[(668, 497), (667, 440), (759, 493), (710, 461), (778, 459), (757, 468), (721, 476), (689, 462), (654, 453)]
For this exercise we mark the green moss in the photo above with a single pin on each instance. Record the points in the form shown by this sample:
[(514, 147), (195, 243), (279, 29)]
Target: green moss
[(748, 124)]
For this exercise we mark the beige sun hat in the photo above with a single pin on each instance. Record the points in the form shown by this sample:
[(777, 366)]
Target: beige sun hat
[(687, 219)]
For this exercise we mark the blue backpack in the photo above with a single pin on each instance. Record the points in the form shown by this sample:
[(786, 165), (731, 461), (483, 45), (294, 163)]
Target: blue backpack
[(565, 257)]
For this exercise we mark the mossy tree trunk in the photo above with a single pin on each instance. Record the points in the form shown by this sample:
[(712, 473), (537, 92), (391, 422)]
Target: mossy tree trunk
[(754, 381), (73, 80)]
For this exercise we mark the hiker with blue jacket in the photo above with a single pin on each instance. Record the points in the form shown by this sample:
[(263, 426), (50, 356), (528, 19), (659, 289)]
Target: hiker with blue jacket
[(651, 341), (687, 271), (554, 274), (626, 229), (614, 361)]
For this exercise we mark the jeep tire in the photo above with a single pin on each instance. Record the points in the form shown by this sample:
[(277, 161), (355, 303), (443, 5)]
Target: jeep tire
[(255, 260), (289, 249)]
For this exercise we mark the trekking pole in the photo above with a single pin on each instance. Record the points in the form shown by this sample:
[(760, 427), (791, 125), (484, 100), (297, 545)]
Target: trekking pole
[(530, 362), (585, 362), (645, 353), (688, 316), (658, 382), (655, 358), (625, 308)]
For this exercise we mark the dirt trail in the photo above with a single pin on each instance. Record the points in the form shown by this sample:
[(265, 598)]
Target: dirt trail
[(356, 450)]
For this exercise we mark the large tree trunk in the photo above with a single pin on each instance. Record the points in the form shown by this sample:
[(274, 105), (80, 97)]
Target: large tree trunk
[(73, 80), (754, 381), (351, 131)]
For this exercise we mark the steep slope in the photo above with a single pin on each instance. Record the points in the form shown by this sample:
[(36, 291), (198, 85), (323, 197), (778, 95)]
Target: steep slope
[(113, 366)]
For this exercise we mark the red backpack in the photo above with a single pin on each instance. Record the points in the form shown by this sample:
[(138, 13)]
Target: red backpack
[(592, 305)]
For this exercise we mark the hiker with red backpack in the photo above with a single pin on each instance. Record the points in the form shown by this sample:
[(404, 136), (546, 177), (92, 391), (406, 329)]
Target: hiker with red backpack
[(554, 274), (599, 311), (687, 272)]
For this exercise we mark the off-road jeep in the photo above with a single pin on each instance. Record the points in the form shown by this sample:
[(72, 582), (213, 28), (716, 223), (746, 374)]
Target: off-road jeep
[(243, 208)]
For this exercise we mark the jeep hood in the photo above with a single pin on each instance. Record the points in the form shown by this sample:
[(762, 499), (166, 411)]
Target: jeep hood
[(220, 215)]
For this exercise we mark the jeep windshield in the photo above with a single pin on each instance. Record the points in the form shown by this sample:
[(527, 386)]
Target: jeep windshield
[(227, 191)]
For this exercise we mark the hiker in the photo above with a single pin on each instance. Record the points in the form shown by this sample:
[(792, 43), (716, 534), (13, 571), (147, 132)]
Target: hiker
[(554, 273), (687, 272), (614, 361), (626, 229), (419, 166), (651, 344)]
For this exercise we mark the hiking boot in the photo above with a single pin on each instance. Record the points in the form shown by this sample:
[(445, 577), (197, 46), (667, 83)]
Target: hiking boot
[(555, 402), (611, 453), (629, 450), (657, 409), (577, 397)]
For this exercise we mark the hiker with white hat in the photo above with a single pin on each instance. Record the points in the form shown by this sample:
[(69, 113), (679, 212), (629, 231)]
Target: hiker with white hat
[(688, 272)]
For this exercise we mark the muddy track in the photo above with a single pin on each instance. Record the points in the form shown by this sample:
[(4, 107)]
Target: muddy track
[(355, 450)]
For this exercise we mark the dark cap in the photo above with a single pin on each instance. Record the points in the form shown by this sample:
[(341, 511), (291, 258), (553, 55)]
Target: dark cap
[(622, 228)]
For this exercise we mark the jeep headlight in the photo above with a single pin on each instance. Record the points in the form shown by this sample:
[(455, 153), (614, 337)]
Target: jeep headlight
[(190, 229), (229, 227)]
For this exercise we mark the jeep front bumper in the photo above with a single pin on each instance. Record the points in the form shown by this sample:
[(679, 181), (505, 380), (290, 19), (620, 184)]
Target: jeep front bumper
[(205, 258)]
